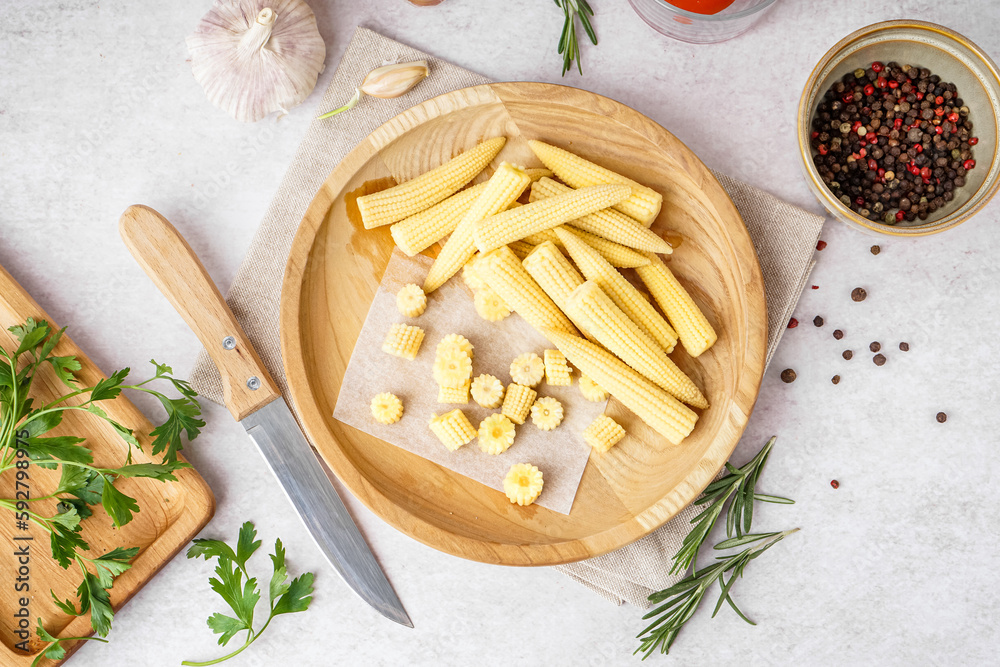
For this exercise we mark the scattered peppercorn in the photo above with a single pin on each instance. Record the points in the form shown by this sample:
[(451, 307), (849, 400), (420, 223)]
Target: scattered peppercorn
[(838, 334), (875, 347), (834, 483), (859, 294), (820, 245), (942, 417), (788, 376), (818, 321), (905, 347), (876, 250), (893, 145), (792, 323), (879, 359), (835, 379), (848, 354)]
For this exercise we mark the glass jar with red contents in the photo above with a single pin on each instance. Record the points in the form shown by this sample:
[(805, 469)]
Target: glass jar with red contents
[(701, 21)]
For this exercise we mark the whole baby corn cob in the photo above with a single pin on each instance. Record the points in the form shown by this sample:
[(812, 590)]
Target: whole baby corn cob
[(621, 291), (555, 274), (693, 328), (608, 223), (506, 185), (664, 413), (643, 203), (502, 271), (516, 223), (613, 329), (521, 249), (452, 429), (422, 230), (617, 255), (422, 192)]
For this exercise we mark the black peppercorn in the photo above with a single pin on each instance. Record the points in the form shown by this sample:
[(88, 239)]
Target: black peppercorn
[(788, 376), (848, 354), (838, 334), (859, 294)]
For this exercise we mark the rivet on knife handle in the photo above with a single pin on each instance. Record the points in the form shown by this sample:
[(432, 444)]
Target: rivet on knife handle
[(175, 269)]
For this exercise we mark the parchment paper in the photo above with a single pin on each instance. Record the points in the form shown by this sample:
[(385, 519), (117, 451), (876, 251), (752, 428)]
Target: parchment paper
[(560, 454)]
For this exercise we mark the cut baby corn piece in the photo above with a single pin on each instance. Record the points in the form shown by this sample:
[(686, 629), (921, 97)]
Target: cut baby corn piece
[(591, 390), (613, 329), (557, 371), (470, 275), (452, 367), (487, 391), (455, 340), (643, 204), (609, 223), (411, 300), (516, 223), (386, 408), (603, 433), (693, 328), (452, 429), (527, 369), (616, 254), (523, 483), (517, 402), (454, 395), (502, 271), (506, 185), (496, 434), (546, 413), (489, 305), (419, 232), (621, 291), (403, 341), (422, 192), (651, 403)]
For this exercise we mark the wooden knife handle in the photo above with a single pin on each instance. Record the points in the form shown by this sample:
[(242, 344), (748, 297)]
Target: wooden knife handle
[(176, 270)]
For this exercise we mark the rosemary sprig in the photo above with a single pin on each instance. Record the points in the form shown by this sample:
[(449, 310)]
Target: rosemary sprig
[(569, 45), (681, 600), (740, 484)]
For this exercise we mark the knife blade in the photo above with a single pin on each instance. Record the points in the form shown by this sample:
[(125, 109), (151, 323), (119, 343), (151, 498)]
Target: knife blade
[(255, 401)]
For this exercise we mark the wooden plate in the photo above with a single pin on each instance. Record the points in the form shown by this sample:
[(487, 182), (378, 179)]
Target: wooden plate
[(170, 513), (336, 265)]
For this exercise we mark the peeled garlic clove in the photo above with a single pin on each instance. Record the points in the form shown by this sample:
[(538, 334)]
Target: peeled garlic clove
[(255, 57), (394, 80)]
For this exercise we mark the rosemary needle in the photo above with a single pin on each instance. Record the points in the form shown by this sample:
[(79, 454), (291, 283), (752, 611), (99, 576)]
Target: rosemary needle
[(569, 45)]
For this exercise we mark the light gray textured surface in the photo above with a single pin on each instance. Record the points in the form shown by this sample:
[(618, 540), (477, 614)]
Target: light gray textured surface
[(98, 110)]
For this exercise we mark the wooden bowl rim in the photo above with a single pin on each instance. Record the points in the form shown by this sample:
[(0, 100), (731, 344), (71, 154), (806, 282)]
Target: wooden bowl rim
[(414, 525)]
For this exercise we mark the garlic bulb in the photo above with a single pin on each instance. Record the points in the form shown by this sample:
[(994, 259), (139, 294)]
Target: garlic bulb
[(255, 57), (386, 82)]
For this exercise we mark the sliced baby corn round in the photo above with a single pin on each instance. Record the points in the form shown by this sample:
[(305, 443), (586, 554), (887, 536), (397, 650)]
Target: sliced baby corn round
[(403, 341), (603, 433), (452, 429), (386, 408), (411, 300), (693, 328), (455, 340), (608, 223), (487, 391), (557, 371), (621, 291), (452, 367), (422, 192), (454, 395), (503, 271), (591, 390), (650, 402), (523, 484), (597, 313), (419, 232), (517, 402), (496, 434), (643, 203), (489, 305), (527, 369), (546, 413), (506, 185), (516, 223)]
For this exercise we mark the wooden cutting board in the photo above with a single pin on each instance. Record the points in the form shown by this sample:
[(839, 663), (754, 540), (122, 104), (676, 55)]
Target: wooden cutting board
[(170, 513)]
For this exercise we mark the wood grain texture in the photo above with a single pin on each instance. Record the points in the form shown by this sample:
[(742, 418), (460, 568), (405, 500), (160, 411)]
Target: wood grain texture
[(335, 268), (170, 513), (174, 267)]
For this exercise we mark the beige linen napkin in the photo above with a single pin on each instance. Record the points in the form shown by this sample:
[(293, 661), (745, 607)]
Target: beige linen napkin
[(783, 235)]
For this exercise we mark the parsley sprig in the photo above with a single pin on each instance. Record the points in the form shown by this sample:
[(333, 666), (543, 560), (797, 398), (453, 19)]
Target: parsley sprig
[(239, 590), (82, 484)]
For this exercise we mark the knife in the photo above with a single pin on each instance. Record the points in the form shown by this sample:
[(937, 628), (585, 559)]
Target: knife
[(256, 402)]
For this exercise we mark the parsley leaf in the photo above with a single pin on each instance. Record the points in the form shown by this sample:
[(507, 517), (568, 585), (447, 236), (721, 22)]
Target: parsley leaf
[(66, 448), (113, 563), (110, 387), (64, 368), (119, 506)]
